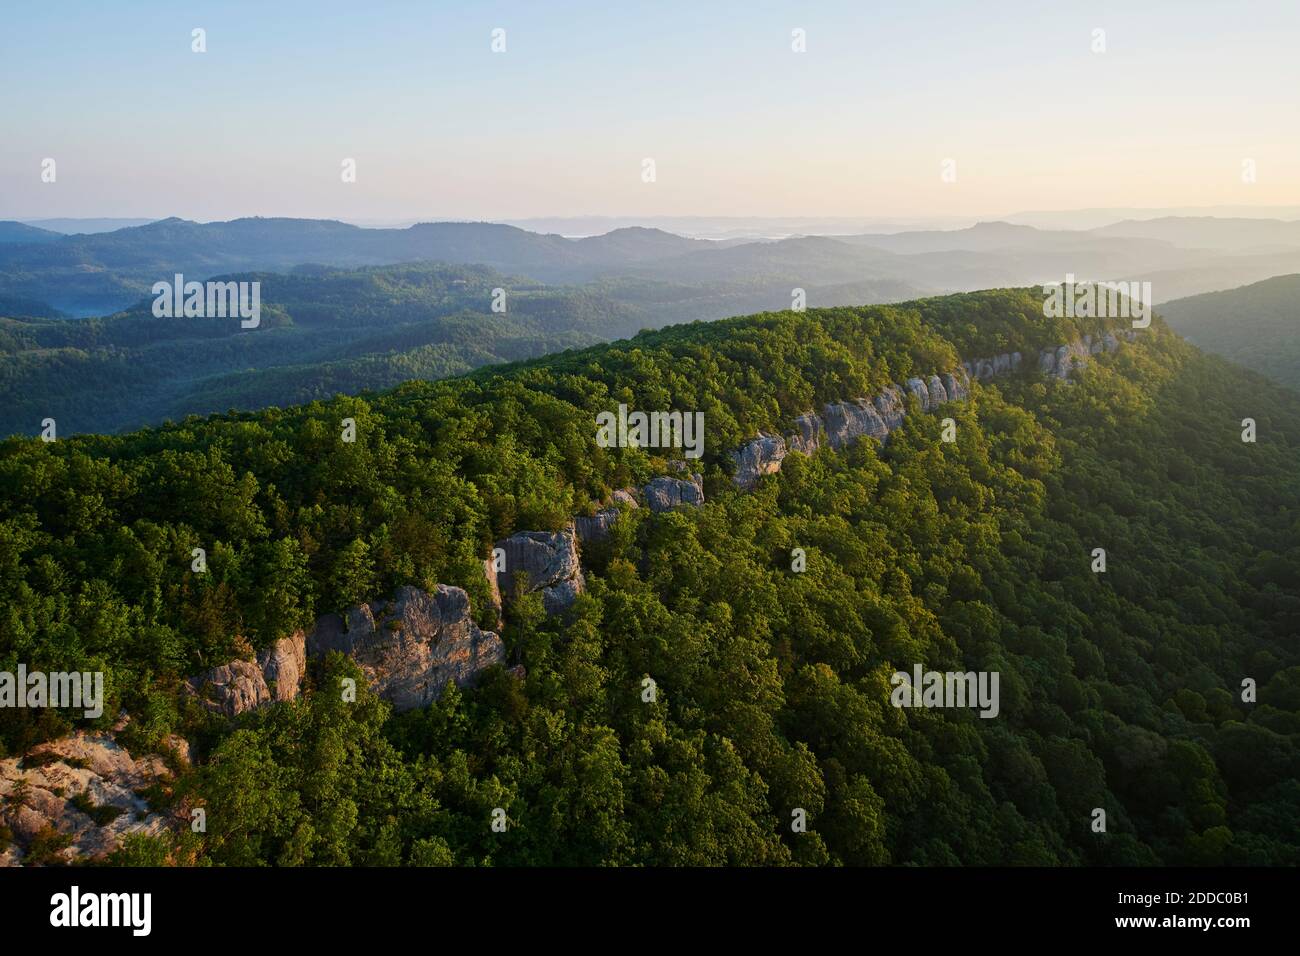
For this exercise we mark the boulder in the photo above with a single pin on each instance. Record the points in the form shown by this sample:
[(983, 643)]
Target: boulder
[(938, 394), (411, 647), (87, 767), (664, 493), (806, 437), (548, 562), (846, 422), (759, 456)]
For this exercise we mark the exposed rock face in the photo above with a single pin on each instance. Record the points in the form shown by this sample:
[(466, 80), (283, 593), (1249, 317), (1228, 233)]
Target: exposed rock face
[(284, 665), (917, 387), (807, 435), (890, 406), (1062, 360), (938, 394), (549, 563), (276, 675), (494, 588), (985, 368), (957, 389), (664, 493), (761, 456), (846, 422), (57, 772), (1056, 362), (624, 496), (411, 647), (232, 688), (596, 527)]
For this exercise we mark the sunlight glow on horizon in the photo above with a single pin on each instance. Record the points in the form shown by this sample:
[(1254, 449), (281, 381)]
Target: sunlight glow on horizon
[(558, 125)]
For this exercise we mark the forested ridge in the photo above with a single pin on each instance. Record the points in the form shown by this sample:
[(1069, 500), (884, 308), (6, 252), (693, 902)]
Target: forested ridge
[(1254, 325), (1120, 690), (322, 331), (325, 331)]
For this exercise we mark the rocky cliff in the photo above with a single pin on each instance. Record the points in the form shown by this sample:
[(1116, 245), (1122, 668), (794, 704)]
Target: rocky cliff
[(73, 799), (412, 646), (842, 423), (665, 492), (543, 561), (596, 527), (409, 649), (275, 675)]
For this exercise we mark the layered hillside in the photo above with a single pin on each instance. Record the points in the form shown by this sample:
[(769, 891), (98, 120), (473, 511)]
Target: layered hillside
[(325, 331), (720, 662), (1257, 325), (321, 332)]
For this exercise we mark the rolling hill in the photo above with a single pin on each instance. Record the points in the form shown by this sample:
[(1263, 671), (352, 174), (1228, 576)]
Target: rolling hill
[(101, 273), (724, 665), (1257, 326)]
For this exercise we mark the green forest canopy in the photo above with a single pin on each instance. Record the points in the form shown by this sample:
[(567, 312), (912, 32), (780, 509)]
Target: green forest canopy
[(1119, 690)]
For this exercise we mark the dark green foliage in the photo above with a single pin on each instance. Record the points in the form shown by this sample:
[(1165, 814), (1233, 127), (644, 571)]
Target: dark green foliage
[(1257, 325), (1119, 691), (102, 814), (322, 332)]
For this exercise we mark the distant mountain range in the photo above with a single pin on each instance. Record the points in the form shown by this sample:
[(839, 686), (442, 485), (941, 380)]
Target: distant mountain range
[(323, 331), (74, 226), (21, 232), (347, 308), (100, 273)]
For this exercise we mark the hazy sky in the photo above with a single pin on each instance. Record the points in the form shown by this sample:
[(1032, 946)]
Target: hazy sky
[(559, 124)]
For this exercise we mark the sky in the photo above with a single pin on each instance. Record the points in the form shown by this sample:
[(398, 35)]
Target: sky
[(1009, 99)]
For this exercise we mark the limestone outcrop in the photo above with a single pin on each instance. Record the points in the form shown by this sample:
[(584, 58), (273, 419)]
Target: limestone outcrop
[(958, 390), (547, 561), (276, 674), (411, 647), (842, 423), (80, 790), (890, 406), (758, 457), (806, 437), (596, 527), (1056, 362), (665, 493)]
